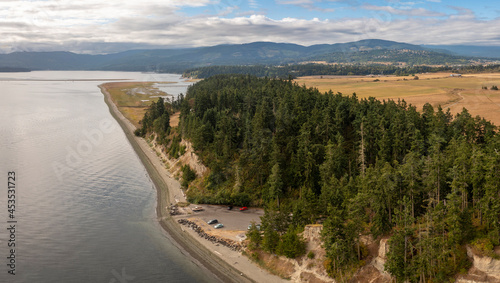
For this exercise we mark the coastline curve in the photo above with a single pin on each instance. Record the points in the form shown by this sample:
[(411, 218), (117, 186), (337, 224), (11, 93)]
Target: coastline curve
[(197, 252)]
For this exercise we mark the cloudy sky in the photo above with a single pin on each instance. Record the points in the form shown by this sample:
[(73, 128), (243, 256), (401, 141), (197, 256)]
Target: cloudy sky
[(105, 26)]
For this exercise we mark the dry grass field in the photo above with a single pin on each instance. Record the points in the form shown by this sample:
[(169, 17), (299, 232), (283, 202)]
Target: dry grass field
[(133, 98), (437, 89)]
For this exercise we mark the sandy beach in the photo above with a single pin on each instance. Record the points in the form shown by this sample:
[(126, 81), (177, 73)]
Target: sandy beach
[(226, 264)]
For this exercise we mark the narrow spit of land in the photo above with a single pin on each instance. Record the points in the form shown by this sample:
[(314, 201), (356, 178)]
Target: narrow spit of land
[(227, 265), (204, 257)]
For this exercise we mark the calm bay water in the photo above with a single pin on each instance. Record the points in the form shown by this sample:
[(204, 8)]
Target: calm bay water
[(85, 206)]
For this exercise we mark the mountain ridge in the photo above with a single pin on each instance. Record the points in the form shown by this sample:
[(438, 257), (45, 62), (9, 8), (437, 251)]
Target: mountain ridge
[(266, 53)]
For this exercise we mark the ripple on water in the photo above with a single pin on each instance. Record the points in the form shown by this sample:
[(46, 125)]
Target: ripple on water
[(78, 221)]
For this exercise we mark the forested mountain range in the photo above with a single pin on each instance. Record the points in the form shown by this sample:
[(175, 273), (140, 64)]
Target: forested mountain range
[(427, 180), (468, 50), (266, 53)]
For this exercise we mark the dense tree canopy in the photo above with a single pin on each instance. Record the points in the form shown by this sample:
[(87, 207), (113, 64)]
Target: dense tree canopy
[(428, 179), (298, 70)]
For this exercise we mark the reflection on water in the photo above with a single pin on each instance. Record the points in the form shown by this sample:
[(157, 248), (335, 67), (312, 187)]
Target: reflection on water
[(85, 205), (173, 90)]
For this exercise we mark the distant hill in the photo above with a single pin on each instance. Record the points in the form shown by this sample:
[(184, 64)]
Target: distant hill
[(393, 56), (13, 70), (265, 53), (469, 50), (60, 60)]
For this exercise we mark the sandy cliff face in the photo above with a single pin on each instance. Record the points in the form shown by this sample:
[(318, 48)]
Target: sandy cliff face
[(374, 271), (175, 165), (485, 264), (379, 261), (311, 269), (191, 158), (484, 269)]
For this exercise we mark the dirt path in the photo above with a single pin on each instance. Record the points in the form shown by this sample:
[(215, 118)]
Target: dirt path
[(174, 119), (454, 92), (489, 98)]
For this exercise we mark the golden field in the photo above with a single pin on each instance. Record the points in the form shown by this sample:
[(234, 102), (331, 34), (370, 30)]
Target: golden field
[(133, 98), (436, 88)]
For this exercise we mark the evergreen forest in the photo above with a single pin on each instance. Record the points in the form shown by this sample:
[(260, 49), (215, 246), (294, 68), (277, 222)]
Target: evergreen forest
[(311, 69), (424, 178)]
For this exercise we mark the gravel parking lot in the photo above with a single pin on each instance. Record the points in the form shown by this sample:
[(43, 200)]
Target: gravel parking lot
[(232, 219)]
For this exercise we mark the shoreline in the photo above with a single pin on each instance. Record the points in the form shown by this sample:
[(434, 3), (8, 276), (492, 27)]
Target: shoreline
[(200, 254)]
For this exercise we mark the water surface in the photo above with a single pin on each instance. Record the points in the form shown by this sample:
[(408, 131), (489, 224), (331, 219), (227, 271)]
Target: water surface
[(85, 205)]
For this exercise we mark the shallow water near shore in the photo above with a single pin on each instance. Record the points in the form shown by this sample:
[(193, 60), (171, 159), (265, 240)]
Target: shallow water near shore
[(84, 204)]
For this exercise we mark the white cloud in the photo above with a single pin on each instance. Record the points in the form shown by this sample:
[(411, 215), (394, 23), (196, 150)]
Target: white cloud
[(295, 2), (253, 4), (56, 22), (307, 4), (110, 26), (463, 13), (419, 12)]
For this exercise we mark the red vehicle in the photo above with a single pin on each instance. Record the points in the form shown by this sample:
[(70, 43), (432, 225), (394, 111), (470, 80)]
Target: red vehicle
[(243, 208)]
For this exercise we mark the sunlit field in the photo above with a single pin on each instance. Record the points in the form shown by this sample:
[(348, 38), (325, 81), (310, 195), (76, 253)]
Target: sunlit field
[(133, 98), (437, 89)]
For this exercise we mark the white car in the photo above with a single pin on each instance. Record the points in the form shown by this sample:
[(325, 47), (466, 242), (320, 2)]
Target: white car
[(256, 226)]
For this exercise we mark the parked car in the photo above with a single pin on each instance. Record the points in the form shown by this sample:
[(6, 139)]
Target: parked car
[(218, 226), (230, 207), (197, 208), (256, 226), (243, 208), (213, 221)]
